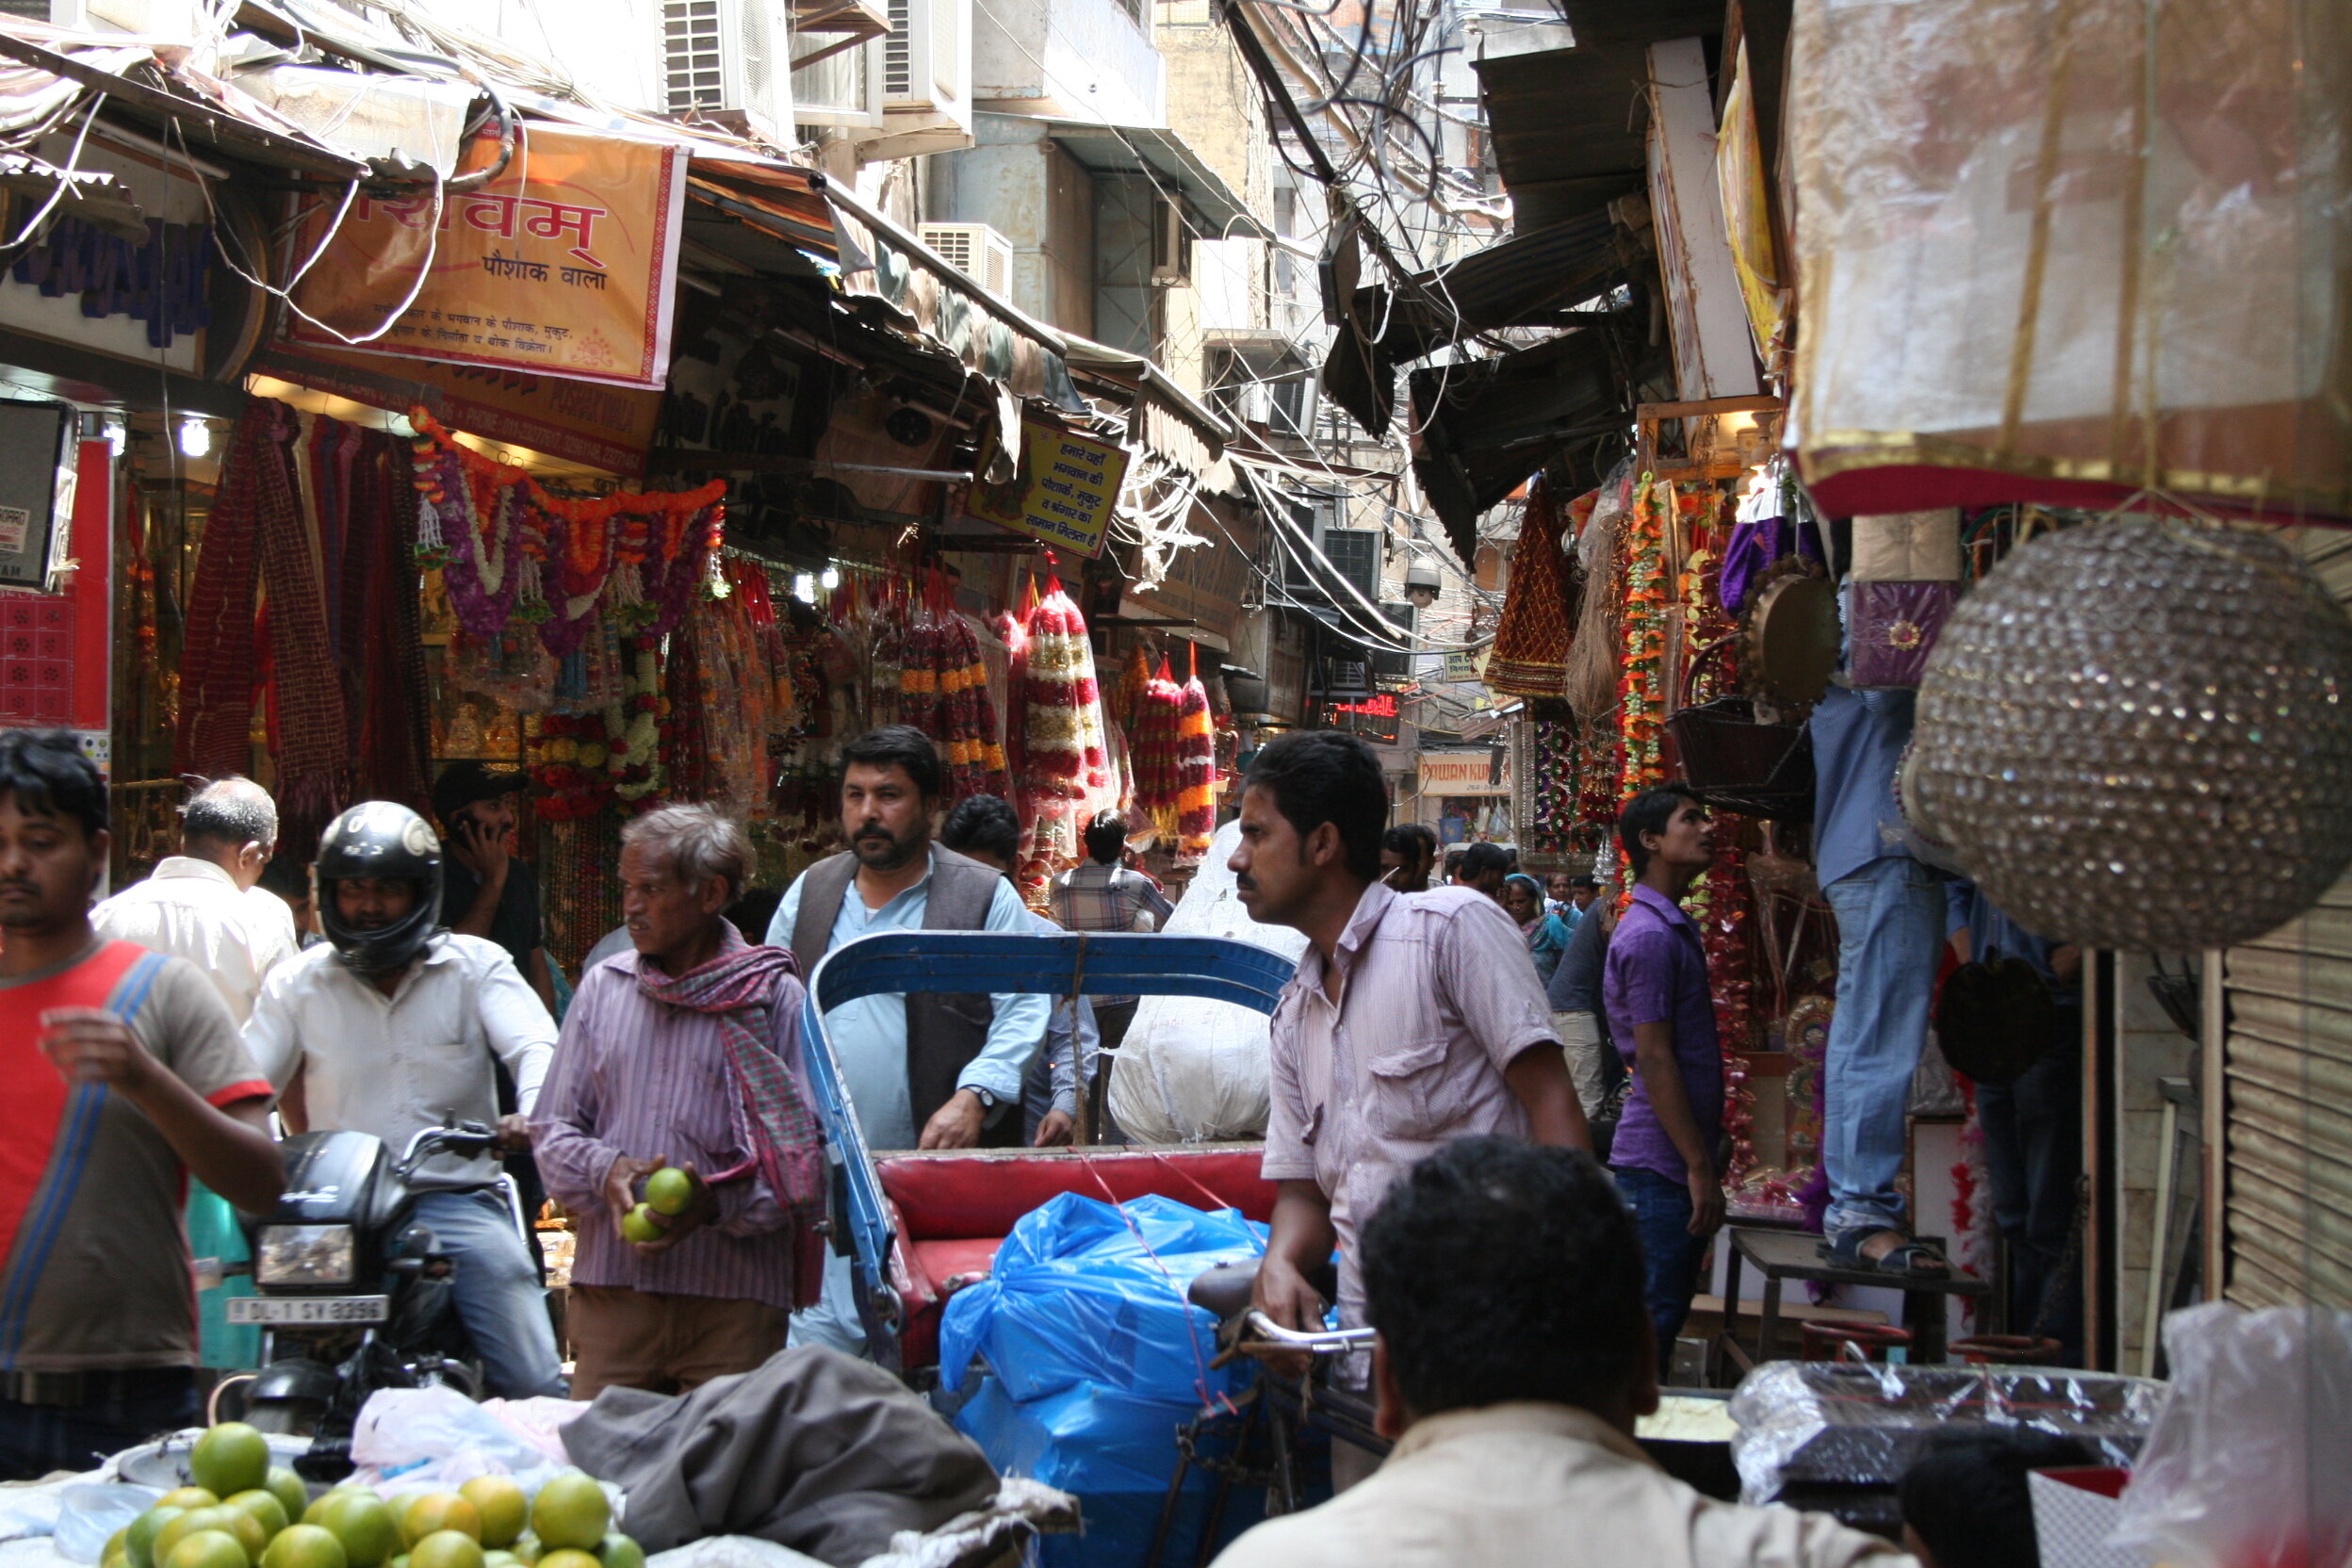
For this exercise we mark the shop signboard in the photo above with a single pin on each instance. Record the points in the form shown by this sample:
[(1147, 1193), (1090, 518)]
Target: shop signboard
[(1374, 718), (1466, 773), (607, 428), (565, 265), (1461, 666), (1065, 493)]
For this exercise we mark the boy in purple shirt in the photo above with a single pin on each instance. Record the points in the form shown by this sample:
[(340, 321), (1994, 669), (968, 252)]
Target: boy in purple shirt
[(1663, 1018)]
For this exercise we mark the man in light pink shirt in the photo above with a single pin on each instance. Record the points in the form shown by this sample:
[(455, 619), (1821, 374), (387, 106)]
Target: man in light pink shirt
[(1414, 1018)]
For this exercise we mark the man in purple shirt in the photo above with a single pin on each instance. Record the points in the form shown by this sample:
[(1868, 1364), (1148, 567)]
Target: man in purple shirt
[(686, 1053), (1663, 1018)]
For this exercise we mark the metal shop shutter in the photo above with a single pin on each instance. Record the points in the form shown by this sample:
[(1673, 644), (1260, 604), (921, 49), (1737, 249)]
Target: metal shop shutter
[(2288, 1066)]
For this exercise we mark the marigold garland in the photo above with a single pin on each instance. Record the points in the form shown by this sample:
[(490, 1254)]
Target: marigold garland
[(499, 537), (1196, 752), (1642, 683)]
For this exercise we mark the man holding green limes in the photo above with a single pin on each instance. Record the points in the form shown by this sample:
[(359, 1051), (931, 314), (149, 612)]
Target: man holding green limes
[(673, 1108)]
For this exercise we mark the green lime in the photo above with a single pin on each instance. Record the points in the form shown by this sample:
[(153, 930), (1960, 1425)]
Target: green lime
[(446, 1550), (619, 1551), (229, 1458), (207, 1549), (640, 1227), (503, 1507), (668, 1190), (139, 1541), (363, 1522), (189, 1496), (436, 1511), (305, 1547), (193, 1522), (526, 1550), (287, 1488), (571, 1511), (263, 1505), (569, 1558)]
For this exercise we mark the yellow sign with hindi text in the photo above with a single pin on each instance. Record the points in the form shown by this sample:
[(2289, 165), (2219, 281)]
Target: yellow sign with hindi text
[(565, 265), (1065, 493)]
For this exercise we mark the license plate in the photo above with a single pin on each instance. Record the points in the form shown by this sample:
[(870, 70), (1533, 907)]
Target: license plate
[(309, 1309)]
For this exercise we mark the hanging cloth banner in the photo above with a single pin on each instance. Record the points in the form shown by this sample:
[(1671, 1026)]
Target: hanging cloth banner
[(1065, 493), (565, 265)]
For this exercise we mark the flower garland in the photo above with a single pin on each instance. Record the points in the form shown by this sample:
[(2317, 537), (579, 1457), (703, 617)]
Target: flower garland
[(1196, 757), (1641, 678), (498, 534)]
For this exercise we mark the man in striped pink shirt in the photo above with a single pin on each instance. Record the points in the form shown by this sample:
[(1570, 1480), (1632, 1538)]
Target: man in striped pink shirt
[(644, 1076)]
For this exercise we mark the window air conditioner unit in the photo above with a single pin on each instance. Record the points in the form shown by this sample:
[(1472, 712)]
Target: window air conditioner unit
[(1171, 244), (925, 61), (725, 60), (976, 250)]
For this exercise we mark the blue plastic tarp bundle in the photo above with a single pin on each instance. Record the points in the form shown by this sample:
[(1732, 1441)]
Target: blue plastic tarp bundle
[(1095, 1360)]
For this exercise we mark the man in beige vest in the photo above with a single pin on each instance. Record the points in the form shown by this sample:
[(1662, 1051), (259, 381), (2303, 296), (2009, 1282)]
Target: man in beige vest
[(924, 1070)]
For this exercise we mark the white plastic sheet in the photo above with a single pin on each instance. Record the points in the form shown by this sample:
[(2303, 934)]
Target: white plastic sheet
[(1194, 1071), (2093, 243), (2246, 1465)]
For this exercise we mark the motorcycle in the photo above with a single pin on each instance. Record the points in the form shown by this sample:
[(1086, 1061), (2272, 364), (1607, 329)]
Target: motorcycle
[(355, 1293)]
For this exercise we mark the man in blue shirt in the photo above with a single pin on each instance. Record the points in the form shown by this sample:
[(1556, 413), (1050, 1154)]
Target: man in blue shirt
[(2033, 1128), (1662, 1017), (1890, 926), (953, 1080)]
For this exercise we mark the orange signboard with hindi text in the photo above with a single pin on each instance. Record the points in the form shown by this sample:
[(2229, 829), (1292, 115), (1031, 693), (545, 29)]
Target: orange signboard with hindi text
[(565, 265)]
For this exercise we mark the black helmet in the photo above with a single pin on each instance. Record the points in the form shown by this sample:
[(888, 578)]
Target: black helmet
[(378, 839)]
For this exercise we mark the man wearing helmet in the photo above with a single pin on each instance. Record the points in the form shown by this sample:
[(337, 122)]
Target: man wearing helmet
[(391, 1026)]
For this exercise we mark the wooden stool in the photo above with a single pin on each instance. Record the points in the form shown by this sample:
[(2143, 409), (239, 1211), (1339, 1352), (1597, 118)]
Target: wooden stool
[(1785, 1255)]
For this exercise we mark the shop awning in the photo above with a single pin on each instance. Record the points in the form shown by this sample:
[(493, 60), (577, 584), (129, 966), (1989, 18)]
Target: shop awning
[(1529, 280), (1174, 167), (1487, 425), (1570, 128)]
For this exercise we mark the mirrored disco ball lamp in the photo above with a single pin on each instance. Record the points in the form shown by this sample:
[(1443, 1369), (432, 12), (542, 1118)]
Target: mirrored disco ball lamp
[(2137, 734)]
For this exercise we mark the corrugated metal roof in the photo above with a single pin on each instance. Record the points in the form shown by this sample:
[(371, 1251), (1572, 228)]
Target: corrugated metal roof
[(1526, 281), (1570, 128)]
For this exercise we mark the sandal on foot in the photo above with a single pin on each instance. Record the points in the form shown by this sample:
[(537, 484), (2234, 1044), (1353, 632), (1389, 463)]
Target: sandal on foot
[(1909, 1258)]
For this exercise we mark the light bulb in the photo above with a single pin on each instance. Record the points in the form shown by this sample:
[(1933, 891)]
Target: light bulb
[(195, 437), (804, 588), (830, 579)]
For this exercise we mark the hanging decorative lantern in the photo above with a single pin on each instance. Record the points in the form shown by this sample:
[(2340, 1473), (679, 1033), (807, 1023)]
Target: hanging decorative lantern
[(2138, 734)]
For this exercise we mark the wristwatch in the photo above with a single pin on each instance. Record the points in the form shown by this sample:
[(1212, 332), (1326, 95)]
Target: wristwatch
[(988, 1101)]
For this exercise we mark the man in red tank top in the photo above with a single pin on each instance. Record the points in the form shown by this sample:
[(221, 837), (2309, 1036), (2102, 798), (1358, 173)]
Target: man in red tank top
[(121, 1073)]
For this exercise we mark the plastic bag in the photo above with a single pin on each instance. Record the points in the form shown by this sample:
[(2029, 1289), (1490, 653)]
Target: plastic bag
[(1839, 1422), (89, 1514), (2245, 1466), (1193, 1071), (1084, 1293), (426, 1439), (1096, 1358)]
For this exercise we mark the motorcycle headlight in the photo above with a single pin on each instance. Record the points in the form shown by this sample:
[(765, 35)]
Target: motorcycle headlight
[(305, 1255)]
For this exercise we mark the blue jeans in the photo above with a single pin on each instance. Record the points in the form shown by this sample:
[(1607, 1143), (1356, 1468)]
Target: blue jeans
[(2033, 1155), (500, 1297), (1891, 936), (1671, 1255), (122, 1409)]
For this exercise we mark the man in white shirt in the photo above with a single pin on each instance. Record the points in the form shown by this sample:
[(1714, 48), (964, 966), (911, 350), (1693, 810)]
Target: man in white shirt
[(1512, 1361), (390, 1027), (205, 904)]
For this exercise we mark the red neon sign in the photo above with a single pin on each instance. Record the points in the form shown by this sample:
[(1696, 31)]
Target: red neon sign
[(1381, 706)]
